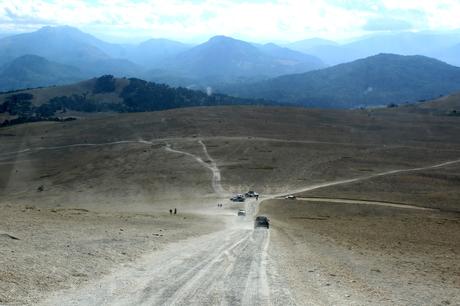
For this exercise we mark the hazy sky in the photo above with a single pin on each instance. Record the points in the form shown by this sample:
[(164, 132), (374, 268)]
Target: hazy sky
[(257, 20)]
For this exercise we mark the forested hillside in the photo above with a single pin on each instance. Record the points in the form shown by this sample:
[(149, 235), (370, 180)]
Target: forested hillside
[(106, 94)]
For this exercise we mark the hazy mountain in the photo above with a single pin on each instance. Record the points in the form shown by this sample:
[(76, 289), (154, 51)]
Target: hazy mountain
[(224, 59), (303, 61), (61, 44), (68, 46), (377, 80), (406, 43), (33, 71), (150, 53), (307, 44)]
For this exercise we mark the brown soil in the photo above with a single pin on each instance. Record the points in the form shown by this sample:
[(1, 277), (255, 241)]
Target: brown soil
[(336, 253), (64, 247)]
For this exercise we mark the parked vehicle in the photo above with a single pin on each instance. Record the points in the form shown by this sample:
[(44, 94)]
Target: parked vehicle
[(251, 194), (261, 221), (241, 213), (238, 198), (290, 197)]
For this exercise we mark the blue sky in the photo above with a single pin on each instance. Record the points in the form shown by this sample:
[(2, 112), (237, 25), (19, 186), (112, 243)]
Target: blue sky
[(257, 20)]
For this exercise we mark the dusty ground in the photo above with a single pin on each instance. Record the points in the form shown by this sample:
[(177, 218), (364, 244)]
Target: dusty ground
[(126, 171), (436, 188), (64, 247), (269, 149), (357, 254)]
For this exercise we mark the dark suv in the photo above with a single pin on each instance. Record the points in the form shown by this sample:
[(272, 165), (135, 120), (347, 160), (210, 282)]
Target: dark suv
[(261, 221)]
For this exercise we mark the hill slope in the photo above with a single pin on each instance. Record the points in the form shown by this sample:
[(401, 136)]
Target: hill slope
[(104, 94), (376, 80), (448, 105), (32, 71)]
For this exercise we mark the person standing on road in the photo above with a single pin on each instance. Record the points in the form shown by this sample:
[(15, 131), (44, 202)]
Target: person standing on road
[(170, 211), (175, 211)]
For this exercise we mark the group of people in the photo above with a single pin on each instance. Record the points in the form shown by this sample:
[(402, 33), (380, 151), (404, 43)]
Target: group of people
[(219, 205), (171, 211)]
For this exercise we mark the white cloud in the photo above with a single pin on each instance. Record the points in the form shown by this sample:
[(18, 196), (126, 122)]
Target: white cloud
[(257, 20), (387, 24)]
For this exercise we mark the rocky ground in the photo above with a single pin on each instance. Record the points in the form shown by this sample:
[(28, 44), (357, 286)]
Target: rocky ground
[(47, 249)]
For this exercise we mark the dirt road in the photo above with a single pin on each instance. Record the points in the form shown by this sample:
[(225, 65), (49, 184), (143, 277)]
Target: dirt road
[(363, 202), (229, 267)]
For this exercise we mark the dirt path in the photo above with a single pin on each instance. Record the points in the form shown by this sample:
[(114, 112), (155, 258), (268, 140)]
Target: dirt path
[(364, 202), (159, 140), (76, 145), (216, 176), (367, 177), (209, 164)]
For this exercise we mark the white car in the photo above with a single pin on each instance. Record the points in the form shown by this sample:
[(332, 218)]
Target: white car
[(290, 197)]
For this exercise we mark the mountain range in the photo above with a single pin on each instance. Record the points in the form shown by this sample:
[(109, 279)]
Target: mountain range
[(221, 59), (68, 46), (373, 81), (226, 60), (441, 46), (293, 73)]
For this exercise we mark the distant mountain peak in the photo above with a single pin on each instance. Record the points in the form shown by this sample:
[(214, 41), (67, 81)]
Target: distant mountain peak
[(59, 29), (271, 45), (221, 38)]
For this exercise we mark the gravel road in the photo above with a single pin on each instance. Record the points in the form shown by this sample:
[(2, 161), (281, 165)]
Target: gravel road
[(229, 267)]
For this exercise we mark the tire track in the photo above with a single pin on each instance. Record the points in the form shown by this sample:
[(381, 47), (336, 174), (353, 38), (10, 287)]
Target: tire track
[(76, 145), (365, 202), (367, 177), (226, 268), (211, 165)]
